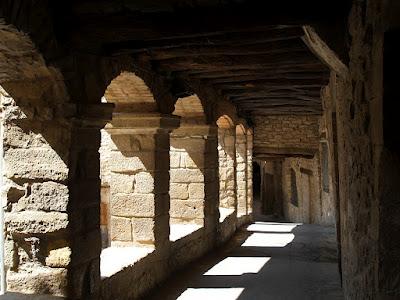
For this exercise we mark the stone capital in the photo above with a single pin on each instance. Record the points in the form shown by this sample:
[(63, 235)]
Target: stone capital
[(149, 123), (93, 115)]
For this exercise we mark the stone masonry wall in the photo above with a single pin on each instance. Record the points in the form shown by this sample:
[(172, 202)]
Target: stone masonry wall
[(286, 132), (241, 173), (129, 167), (187, 179), (308, 207), (227, 161), (360, 140), (36, 196)]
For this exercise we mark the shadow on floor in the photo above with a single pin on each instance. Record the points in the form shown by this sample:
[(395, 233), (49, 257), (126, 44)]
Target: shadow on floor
[(265, 260)]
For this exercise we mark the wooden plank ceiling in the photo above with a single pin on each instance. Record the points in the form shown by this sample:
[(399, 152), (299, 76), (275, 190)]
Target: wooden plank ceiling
[(258, 61)]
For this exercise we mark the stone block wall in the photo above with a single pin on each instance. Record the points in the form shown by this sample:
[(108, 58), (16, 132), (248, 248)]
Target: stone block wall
[(51, 194), (286, 132), (35, 193), (187, 186), (227, 162), (131, 167), (241, 173)]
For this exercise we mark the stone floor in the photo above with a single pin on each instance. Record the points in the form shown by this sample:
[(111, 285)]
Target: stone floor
[(266, 260)]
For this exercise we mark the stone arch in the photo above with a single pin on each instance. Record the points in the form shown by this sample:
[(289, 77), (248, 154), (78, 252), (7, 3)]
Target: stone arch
[(130, 94), (227, 166), (188, 153), (134, 173), (190, 108)]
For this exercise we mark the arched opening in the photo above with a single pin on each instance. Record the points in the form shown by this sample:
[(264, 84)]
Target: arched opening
[(227, 167), (134, 157), (188, 156), (241, 170)]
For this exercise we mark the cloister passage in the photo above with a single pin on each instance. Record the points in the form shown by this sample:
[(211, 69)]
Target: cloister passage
[(137, 137), (264, 260)]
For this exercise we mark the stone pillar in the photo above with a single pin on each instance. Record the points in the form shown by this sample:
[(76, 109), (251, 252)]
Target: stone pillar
[(249, 172), (84, 236), (211, 180), (241, 173), (52, 199), (227, 166), (139, 179), (194, 185)]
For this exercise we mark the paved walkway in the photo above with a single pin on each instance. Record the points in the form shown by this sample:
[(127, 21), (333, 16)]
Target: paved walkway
[(268, 260)]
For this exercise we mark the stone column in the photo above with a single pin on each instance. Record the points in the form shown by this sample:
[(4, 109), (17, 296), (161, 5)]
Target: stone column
[(52, 198), (139, 179), (249, 172), (241, 173), (84, 236)]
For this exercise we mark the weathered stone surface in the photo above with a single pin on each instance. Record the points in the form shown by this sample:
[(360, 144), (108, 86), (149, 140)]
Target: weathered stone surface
[(10, 255), (132, 205), (38, 280), (59, 258), (143, 229), (47, 196), (186, 176), (286, 132), (35, 164), (122, 183), (31, 222), (144, 183), (131, 161), (179, 191), (121, 229), (196, 191), (187, 209)]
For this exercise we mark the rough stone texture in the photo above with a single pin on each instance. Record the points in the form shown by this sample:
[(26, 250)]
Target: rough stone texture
[(308, 208), (227, 167), (187, 179), (40, 280), (130, 165), (249, 143), (241, 171), (286, 133), (359, 119)]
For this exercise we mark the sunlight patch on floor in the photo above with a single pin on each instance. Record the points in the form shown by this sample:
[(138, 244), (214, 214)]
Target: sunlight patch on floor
[(224, 213), (178, 231), (115, 259), (238, 266), (268, 240), (211, 294), (272, 227)]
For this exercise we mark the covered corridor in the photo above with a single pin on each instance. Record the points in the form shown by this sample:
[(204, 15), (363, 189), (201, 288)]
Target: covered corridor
[(138, 137), (264, 260)]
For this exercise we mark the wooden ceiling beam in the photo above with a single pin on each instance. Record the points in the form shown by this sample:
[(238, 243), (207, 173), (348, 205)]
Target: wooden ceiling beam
[(279, 38)]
